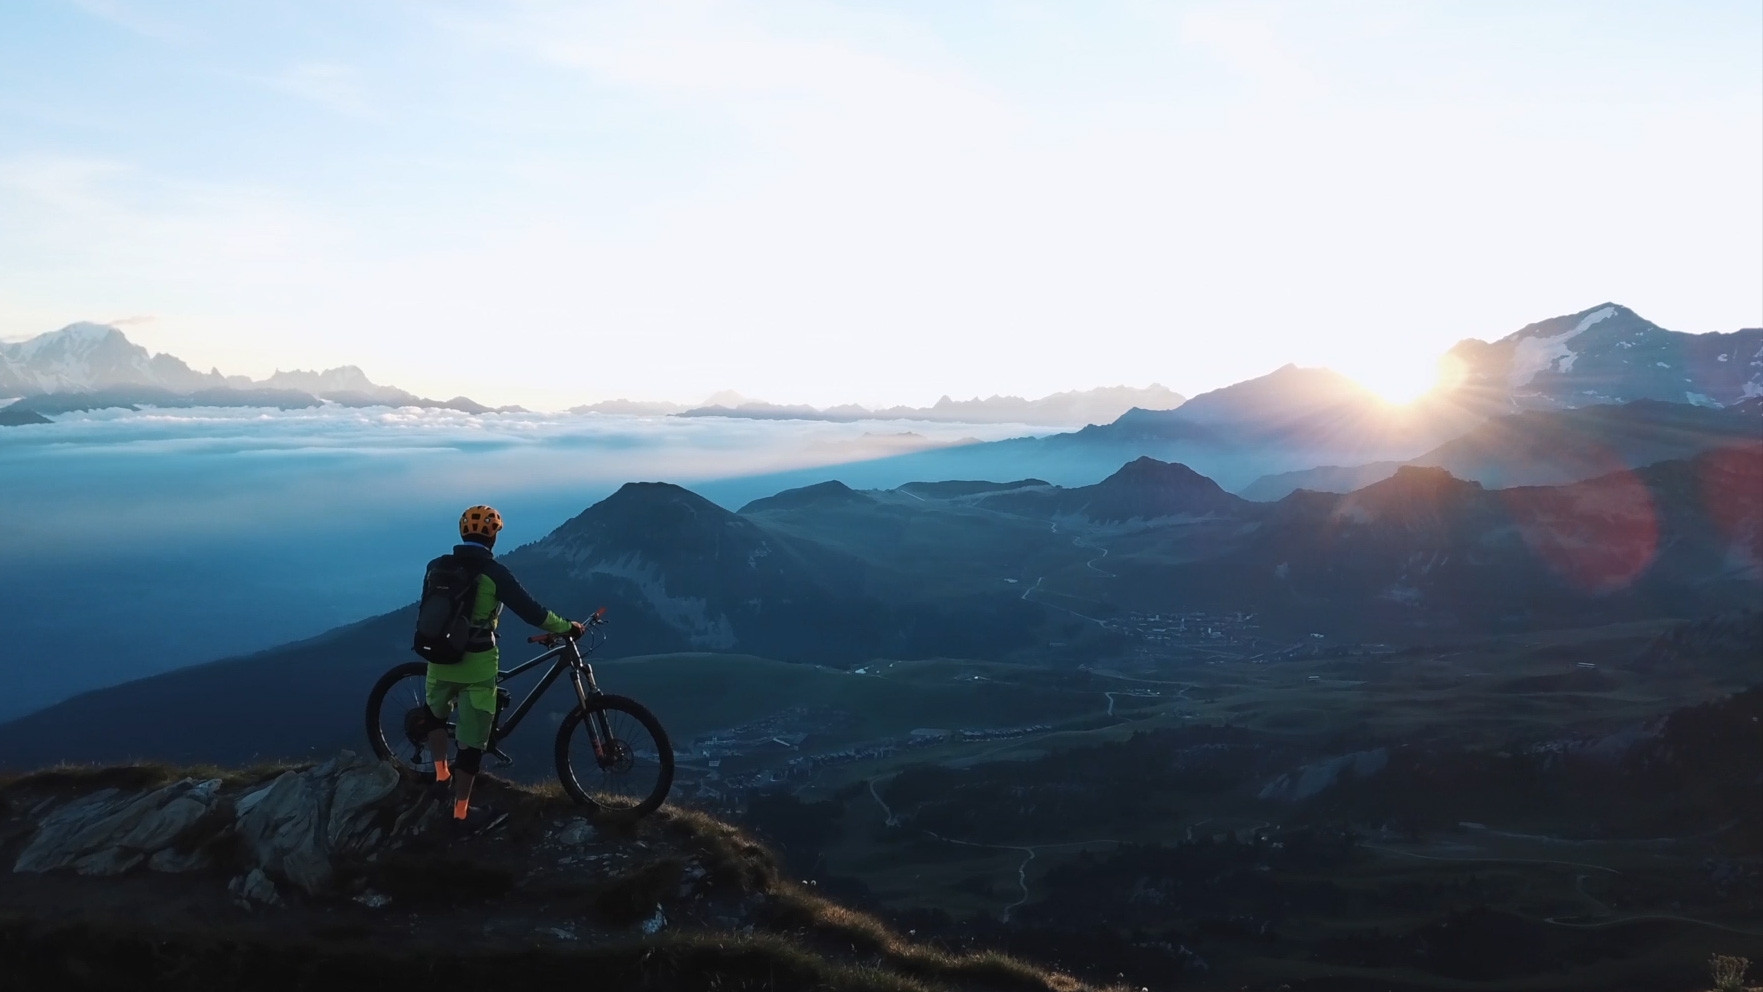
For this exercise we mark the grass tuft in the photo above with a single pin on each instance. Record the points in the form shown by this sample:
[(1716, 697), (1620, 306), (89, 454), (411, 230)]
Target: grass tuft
[(824, 920), (1728, 972)]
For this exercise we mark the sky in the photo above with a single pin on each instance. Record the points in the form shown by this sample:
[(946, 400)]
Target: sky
[(550, 203)]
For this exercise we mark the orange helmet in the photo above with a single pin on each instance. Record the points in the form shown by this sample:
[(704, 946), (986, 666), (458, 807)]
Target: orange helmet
[(480, 521)]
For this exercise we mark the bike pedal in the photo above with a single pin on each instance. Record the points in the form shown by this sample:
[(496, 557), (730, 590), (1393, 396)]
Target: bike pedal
[(502, 758)]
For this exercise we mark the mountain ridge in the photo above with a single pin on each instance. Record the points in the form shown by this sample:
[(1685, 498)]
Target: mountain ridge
[(1547, 447), (1069, 408), (1294, 419), (88, 366), (1607, 354), (1027, 574)]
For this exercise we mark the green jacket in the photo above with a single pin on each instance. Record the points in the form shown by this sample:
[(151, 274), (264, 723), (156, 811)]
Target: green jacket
[(496, 587)]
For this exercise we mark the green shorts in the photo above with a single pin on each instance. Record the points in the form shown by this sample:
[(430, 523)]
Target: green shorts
[(477, 707)]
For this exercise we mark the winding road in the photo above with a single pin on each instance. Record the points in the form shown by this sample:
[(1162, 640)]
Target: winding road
[(1076, 542), (890, 819)]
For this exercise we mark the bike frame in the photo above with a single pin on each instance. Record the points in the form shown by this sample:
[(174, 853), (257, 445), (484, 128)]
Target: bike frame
[(568, 657)]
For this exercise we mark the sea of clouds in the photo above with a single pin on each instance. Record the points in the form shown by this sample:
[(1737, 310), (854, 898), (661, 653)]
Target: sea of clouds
[(141, 541)]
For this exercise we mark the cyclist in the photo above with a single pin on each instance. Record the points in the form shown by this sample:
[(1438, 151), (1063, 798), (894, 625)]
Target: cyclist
[(470, 684)]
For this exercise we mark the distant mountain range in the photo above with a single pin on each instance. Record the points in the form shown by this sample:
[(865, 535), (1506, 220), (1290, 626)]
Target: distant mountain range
[(1549, 447), (1092, 406), (1068, 409), (95, 366), (1015, 571), (1290, 419), (1295, 419)]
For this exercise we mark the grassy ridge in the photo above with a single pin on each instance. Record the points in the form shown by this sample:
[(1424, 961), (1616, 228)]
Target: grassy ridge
[(785, 936)]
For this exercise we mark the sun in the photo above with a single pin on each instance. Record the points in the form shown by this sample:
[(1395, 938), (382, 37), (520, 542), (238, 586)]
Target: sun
[(1399, 391), (1402, 385)]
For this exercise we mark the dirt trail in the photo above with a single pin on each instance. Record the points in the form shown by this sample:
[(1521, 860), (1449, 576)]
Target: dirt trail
[(1028, 851), (1079, 543), (888, 817)]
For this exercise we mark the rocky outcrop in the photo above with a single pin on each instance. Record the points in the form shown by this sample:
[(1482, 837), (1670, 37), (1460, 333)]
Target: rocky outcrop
[(292, 831), (297, 827), (111, 831), (343, 875)]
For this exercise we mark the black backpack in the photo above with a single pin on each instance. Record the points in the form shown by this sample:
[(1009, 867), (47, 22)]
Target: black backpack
[(443, 618)]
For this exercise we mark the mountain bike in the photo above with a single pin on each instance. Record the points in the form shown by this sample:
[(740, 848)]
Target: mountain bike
[(611, 752)]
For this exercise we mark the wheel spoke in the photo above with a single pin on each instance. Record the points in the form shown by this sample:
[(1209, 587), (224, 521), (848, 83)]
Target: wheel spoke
[(399, 692), (633, 768)]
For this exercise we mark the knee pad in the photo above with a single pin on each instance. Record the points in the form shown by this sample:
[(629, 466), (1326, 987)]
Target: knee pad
[(419, 722), (469, 760)]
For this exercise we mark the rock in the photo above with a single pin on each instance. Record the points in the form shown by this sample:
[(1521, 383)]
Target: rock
[(62, 834), (255, 888), (172, 820), (292, 831), (249, 801), (355, 799), (298, 827), (175, 862), (281, 834), (109, 861), (110, 832), (374, 900), (690, 879), (653, 924), (412, 820), (578, 832)]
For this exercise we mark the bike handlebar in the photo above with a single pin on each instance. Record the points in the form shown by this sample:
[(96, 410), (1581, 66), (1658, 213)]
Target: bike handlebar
[(596, 620)]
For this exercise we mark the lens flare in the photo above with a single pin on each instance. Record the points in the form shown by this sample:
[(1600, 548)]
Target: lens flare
[(1731, 486), (1598, 535)]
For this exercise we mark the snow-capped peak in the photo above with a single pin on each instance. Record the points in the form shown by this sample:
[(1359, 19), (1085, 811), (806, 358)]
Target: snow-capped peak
[(77, 338), (87, 356), (1532, 356)]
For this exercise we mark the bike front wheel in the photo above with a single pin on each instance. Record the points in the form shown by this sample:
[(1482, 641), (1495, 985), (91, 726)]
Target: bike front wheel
[(615, 757), (396, 709)]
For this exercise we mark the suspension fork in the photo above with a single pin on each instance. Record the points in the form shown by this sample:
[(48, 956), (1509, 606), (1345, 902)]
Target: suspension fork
[(581, 675)]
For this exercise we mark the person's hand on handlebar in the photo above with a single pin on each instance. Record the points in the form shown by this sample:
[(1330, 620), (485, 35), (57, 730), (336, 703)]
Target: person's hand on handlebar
[(577, 628)]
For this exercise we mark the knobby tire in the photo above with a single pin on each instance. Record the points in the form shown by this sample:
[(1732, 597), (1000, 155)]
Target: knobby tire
[(376, 737), (577, 722)]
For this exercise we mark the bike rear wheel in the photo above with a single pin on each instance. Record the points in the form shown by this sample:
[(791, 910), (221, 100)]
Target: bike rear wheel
[(392, 724), (615, 757)]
